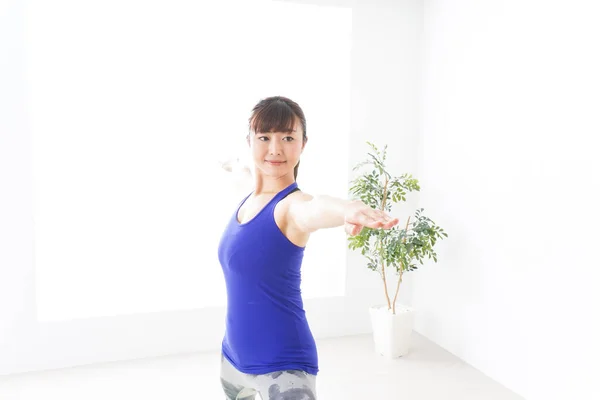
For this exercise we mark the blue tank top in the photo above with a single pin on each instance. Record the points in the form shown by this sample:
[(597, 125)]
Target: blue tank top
[(266, 328)]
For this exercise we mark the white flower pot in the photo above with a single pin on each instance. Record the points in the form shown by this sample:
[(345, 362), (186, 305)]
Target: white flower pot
[(392, 332)]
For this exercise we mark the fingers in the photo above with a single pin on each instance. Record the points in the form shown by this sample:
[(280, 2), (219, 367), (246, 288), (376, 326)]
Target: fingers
[(365, 216), (390, 222), (352, 229), (378, 219), (226, 165)]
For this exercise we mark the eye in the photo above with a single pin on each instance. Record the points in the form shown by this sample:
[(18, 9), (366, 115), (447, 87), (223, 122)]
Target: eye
[(289, 137), (263, 137)]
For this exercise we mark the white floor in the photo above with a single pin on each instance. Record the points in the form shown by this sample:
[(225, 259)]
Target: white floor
[(349, 369)]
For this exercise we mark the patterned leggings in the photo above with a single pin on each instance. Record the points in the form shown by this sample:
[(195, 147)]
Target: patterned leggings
[(281, 385)]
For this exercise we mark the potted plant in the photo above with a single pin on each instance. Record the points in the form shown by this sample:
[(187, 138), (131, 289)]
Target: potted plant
[(395, 249)]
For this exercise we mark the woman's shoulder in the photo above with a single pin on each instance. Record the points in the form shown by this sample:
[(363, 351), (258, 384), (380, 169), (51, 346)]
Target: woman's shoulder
[(290, 206), (295, 198), (298, 196), (285, 219)]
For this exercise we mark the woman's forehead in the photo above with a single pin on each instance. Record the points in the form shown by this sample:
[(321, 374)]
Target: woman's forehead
[(282, 132), (280, 125), (295, 130)]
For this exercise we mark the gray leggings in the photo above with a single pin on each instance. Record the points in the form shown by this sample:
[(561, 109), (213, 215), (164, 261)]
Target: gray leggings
[(281, 385)]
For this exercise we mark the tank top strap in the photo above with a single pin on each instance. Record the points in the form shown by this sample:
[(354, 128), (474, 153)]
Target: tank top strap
[(279, 196), (244, 200), (270, 206)]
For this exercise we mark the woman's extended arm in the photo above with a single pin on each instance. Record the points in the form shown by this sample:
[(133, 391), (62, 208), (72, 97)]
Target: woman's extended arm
[(242, 177), (320, 212)]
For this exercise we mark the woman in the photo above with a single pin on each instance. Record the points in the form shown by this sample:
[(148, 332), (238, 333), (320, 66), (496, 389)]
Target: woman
[(268, 347)]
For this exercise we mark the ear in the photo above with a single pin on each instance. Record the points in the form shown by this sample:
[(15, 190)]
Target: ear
[(304, 143), (248, 139)]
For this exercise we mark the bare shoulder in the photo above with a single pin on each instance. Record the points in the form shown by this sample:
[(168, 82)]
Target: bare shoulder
[(298, 197), (285, 221), (292, 202)]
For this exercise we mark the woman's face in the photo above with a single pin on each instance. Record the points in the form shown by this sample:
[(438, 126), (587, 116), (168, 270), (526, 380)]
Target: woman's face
[(276, 153)]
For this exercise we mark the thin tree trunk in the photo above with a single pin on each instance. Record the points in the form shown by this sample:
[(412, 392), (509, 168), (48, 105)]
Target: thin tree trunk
[(387, 296), (401, 271), (397, 290)]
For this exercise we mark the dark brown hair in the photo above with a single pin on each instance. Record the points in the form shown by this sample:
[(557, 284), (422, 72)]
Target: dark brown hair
[(277, 114)]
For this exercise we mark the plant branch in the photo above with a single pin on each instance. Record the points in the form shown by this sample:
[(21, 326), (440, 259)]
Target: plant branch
[(401, 270), (397, 289), (387, 296)]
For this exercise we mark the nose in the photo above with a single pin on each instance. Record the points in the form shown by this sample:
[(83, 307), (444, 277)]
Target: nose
[(275, 146)]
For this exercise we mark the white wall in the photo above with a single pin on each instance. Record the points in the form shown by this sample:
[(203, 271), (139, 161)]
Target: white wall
[(494, 110), (508, 162), (384, 85)]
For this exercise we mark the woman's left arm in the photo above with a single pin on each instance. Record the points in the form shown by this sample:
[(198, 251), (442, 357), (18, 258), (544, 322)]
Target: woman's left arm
[(310, 214)]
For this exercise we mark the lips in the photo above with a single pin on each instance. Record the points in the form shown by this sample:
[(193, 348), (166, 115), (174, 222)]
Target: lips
[(275, 162)]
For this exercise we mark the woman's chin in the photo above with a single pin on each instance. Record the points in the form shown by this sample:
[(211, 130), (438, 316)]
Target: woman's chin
[(276, 172)]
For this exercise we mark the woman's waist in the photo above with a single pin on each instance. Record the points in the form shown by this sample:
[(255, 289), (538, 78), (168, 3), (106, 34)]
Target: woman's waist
[(265, 314), (270, 304), (284, 335)]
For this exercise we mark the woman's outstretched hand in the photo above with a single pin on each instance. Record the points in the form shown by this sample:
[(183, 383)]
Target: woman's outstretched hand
[(359, 215)]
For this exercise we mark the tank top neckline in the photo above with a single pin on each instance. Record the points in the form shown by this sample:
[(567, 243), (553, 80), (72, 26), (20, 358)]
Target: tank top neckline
[(293, 185)]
